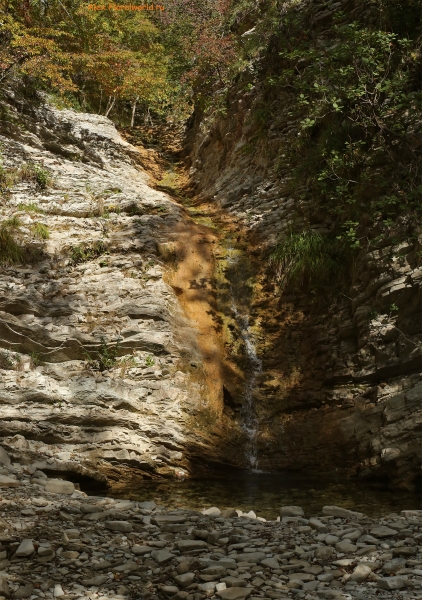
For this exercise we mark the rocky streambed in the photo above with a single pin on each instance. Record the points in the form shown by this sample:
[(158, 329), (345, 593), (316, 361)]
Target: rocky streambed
[(56, 542)]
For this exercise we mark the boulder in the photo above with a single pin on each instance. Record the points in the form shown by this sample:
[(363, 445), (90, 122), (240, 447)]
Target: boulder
[(383, 532), (24, 591), (324, 552), (169, 590), (212, 512), (9, 482), (318, 525), (405, 551), (228, 513), (188, 545), (252, 557), (360, 573), (162, 557), (392, 566), (4, 586), (140, 550), (185, 579), (346, 547), (97, 580)]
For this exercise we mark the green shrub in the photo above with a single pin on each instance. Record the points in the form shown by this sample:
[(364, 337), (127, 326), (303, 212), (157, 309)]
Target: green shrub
[(105, 357), (149, 361), (83, 253), (7, 360), (12, 223), (307, 259), (7, 179), (35, 174)]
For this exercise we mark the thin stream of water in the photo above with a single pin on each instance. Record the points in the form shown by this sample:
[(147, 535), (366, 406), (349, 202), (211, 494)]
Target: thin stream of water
[(250, 421)]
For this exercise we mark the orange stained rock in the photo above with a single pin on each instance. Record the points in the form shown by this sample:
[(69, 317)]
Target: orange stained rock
[(195, 277)]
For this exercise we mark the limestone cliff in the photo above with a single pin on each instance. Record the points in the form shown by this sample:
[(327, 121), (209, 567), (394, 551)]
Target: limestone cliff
[(103, 375)]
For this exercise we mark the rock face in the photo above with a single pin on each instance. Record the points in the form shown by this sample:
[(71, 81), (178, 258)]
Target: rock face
[(340, 384), (102, 374), (115, 361)]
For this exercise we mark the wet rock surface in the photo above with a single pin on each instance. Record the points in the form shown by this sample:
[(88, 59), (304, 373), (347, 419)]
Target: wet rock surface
[(61, 545)]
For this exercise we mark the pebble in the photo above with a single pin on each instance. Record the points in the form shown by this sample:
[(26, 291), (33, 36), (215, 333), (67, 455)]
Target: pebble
[(51, 547), (235, 593), (25, 549), (392, 583), (291, 511), (360, 573)]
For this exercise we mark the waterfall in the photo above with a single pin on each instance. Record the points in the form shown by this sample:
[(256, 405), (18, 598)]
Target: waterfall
[(240, 309)]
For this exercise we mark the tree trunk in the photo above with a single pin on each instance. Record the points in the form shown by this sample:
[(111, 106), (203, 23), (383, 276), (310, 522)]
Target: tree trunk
[(132, 121), (110, 105)]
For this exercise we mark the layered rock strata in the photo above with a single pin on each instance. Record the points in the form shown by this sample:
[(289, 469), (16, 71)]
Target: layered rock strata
[(103, 375), (341, 376)]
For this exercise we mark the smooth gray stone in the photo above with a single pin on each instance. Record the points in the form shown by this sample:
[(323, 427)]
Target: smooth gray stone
[(188, 545), (291, 511), (342, 513), (97, 580), (25, 549), (123, 526), (253, 557), (162, 557), (383, 532), (185, 579), (24, 591), (235, 593), (392, 583)]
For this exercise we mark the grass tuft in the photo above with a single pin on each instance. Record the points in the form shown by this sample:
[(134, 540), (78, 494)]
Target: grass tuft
[(30, 207), (40, 231), (11, 252), (307, 259), (83, 253), (35, 174)]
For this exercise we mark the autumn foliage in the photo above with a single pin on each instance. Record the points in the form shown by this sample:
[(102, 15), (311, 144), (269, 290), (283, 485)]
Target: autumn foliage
[(112, 62)]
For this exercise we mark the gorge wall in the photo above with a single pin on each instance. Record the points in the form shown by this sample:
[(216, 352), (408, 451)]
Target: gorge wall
[(124, 336), (340, 386), (105, 377)]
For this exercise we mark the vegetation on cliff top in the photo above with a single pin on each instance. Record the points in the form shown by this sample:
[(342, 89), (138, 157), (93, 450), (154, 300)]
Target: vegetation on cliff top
[(352, 82), (116, 62), (349, 74)]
